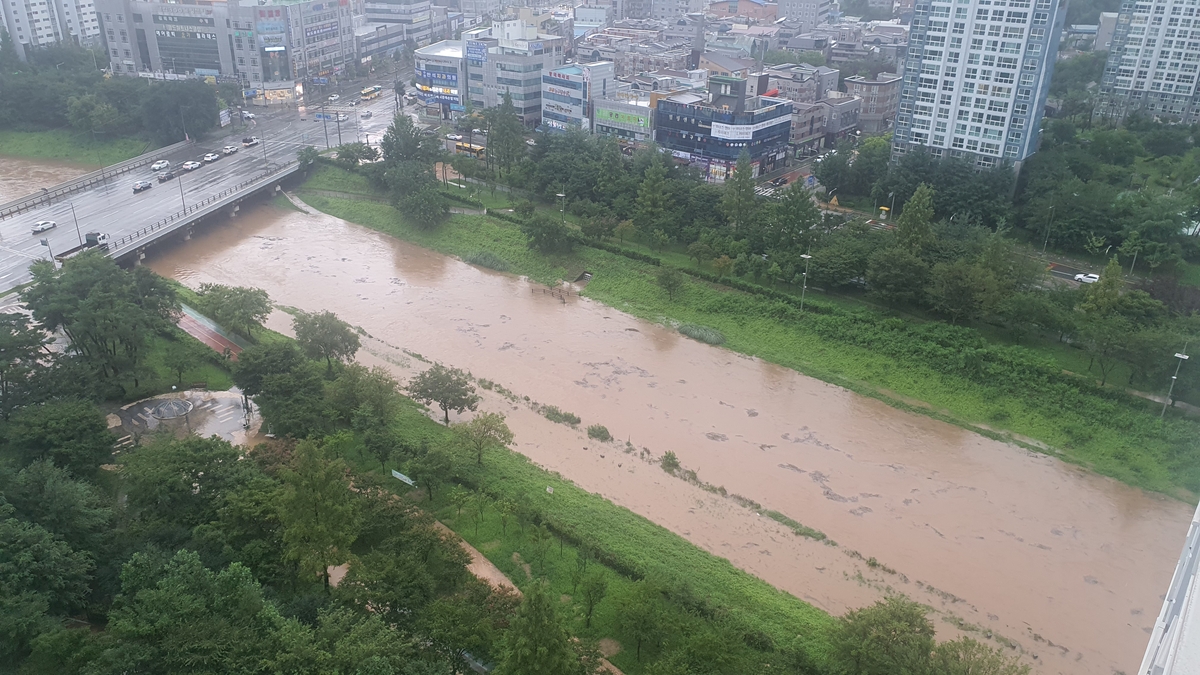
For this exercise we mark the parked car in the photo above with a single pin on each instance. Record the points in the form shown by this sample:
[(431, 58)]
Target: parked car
[(334, 97), (247, 115), (190, 166), (249, 141), (211, 157), (142, 186), (1087, 278), (160, 165), (453, 137), (229, 149), (43, 225), (166, 176), (366, 114)]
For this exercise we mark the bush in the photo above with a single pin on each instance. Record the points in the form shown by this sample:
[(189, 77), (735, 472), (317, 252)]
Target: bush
[(463, 199), (599, 432), (702, 333), (487, 259), (669, 462), (506, 216), (553, 414)]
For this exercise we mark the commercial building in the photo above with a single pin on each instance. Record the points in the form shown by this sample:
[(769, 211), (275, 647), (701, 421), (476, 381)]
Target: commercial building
[(709, 130), (509, 57), (568, 93), (439, 75), (976, 79), (1152, 63), (808, 12), (273, 48), (416, 22), (39, 23), (1104, 34), (672, 10), (798, 82), (759, 10), (880, 100), (627, 116)]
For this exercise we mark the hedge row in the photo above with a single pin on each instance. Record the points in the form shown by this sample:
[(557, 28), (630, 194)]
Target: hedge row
[(461, 199)]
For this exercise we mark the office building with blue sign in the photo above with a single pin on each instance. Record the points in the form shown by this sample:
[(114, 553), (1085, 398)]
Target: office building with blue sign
[(439, 76), (708, 130), (509, 58), (568, 93)]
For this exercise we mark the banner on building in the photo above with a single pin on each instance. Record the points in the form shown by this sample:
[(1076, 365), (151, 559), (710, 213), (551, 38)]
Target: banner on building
[(476, 50), (745, 132), (603, 115)]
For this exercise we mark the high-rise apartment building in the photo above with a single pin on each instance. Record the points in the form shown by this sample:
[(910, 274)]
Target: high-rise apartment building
[(38, 23), (1152, 62), (976, 78)]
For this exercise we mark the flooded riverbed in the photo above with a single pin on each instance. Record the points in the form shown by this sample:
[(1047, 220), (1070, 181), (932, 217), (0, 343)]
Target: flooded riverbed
[(21, 177), (1068, 566)]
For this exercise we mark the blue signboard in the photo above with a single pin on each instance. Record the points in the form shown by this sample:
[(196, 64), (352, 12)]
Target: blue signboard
[(320, 80), (436, 78), (249, 93), (476, 50)]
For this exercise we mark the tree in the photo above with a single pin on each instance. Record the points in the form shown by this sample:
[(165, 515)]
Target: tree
[(913, 229), (431, 469), (965, 656), (547, 234), (181, 356), (173, 111), (595, 587), (72, 434), (891, 637), (599, 227), (653, 206), (426, 208), (350, 155), (722, 266), (671, 280), (317, 510), (536, 644), (505, 134), (485, 429), (307, 156), (22, 349), (450, 388), (1103, 297), (506, 509), (404, 142), (739, 204), (256, 364), (958, 289), (324, 336), (38, 565), (71, 509), (700, 252), (478, 508), (896, 275), (238, 307), (641, 616), (793, 222), (181, 483), (625, 230)]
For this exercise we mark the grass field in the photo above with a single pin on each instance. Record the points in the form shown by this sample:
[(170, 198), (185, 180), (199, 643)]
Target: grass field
[(1130, 446), (68, 146), (708, 597)]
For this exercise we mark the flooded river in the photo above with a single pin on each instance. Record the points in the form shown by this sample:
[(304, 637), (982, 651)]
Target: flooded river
[(1068, 566), (21, 177)]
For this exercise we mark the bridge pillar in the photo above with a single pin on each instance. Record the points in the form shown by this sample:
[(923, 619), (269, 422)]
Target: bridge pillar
[(233, 210), (139, 257), (187, 235)]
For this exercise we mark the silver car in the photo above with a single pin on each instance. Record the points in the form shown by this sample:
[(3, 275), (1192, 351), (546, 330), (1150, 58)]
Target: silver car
[(44, 225)]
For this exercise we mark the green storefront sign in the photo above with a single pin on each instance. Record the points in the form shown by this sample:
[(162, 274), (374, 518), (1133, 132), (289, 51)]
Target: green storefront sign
[(603, 115)]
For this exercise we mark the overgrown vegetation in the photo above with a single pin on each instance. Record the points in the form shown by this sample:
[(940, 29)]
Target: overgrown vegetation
[(599, 432), (711, 336), (487, 259)]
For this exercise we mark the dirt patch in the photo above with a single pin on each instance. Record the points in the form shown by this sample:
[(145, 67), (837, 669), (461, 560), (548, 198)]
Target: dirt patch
[(337, 573), (564, 598), (609, 647), (480, 566)]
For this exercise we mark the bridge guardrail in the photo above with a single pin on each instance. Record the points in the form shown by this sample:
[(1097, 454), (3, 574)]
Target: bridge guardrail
[(88, 179), (198, 206)]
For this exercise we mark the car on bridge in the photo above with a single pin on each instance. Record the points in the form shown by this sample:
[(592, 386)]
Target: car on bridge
[(229, 149), (211, 157), (334, 97), (166, 176), (44, 225), (190, 166), (453, 137), (160, 165), (142, 186), (249, 141), (1087, 278), (366, 114)]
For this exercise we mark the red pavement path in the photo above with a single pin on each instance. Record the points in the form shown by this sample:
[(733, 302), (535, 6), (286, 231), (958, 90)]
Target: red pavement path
[(218, 342)]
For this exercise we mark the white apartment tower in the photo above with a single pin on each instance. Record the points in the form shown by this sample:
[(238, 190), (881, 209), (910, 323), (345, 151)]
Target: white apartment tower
[(37, 23), (976, 78), (1152, 62)]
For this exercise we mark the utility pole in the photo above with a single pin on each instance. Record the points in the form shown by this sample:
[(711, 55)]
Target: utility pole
[(1182, 356), (804, 289), (76, 218), (325, 125), (1048, 224), (181, 199)]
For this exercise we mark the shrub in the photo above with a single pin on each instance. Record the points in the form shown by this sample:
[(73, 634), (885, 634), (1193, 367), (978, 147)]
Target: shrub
[(553, 414), (487, 259), (463, 199), (702, 333), (599, 432), (669, 462)]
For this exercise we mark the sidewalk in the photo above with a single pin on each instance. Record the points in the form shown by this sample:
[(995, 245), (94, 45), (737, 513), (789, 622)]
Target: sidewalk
[(207, 331)]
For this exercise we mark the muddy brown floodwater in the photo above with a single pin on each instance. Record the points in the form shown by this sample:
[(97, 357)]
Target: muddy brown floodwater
[(1066, 566), (20, 177)]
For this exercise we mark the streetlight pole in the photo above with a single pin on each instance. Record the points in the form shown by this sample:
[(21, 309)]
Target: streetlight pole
[(563, 196), (46, 243), (804, 289), (325, 125), (181, 199), (77, 223), (1049, 222), (892, 210), (1182, 356)]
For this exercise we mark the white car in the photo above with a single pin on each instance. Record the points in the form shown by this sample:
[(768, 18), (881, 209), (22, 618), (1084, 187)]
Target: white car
[(453, 137), (229, 149), (43, 225), (211, 157), (249, 141), (334, 97), (1087, 278), (247, 115), (342, 117), (191, 166), (160, 165)]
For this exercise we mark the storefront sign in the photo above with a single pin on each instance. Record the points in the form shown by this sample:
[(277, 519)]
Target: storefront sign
[(477, 51), (603, 115), (745, 132)]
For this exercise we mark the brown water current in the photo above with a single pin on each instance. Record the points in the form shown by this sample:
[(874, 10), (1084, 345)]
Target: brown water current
[(1066, 567), (21, 177)]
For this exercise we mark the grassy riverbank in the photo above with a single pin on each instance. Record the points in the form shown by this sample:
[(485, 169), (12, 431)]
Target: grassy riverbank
[(707, 603), (1114, 434), (68, 146)]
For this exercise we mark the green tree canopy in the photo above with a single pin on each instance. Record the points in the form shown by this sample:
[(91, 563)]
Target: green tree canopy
[(449, 388), (324, 336)]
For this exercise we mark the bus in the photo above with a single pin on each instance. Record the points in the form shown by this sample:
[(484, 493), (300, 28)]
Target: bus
[(370, 92), (476, 151)]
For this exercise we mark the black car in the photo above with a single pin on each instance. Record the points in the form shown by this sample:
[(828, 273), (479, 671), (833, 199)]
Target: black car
[(166, 176), (141, 186)]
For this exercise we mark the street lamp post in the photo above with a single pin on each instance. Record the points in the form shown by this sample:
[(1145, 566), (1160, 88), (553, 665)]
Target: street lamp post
[(76, 218), (46, 243), (181, 199), (563, 196), (892, 210), (1049, 223), (804, 288), (1182, 356)]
